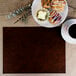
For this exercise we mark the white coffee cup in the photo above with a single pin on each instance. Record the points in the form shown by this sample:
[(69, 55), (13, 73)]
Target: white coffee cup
[(65, 31)]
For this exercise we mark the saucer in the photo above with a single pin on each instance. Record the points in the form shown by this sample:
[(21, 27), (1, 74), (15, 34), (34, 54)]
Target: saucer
[(65, 33)]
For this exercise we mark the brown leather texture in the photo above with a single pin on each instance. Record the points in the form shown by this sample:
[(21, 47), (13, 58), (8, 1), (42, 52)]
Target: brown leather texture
[(33, 50)]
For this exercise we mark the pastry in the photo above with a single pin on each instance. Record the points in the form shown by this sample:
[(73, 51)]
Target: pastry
[(46, 3), (58, 5), (42, 15), (54, 17)]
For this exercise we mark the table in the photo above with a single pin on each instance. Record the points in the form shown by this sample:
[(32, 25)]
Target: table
[(70, 49)]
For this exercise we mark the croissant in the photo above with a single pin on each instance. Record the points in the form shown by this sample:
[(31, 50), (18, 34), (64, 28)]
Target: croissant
[(46, 3)]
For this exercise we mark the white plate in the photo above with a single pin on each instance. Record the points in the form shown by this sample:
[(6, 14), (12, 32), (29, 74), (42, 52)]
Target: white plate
[(37, 6)]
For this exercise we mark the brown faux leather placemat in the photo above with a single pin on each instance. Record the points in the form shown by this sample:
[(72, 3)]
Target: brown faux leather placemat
[(33, 50)]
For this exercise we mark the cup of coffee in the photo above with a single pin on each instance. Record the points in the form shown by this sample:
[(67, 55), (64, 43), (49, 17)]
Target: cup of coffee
[(68, 31)]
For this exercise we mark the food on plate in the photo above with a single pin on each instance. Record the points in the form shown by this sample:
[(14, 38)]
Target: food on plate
[(54, 17), (55, 7), (58, 5), (42, 15), (46, 3)]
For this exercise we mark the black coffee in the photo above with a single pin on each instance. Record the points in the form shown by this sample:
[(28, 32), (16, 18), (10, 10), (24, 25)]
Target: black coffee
[(72, 31)]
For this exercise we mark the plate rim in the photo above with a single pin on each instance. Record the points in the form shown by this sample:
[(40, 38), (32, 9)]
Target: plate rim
[(47, 20)]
